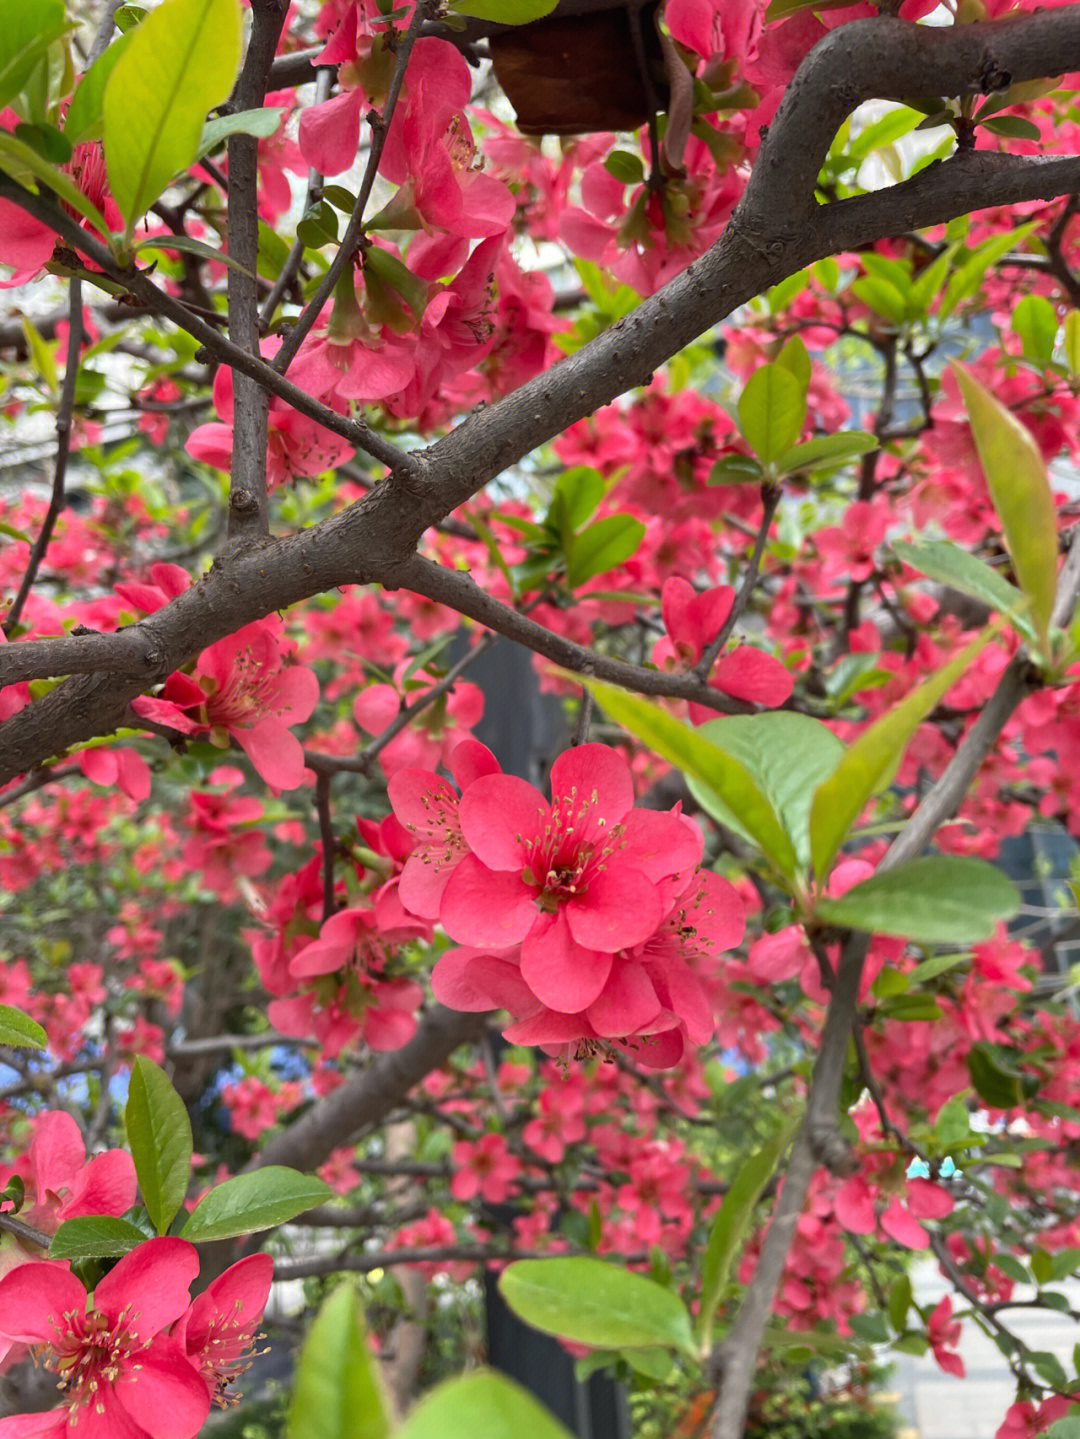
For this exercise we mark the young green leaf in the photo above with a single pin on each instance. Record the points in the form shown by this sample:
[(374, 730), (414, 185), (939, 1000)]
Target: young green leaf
[(787, 756), (21, 160), (481, 1403), (337, 1393), (732, 1222), (249, 1202), (1035, 321), (826, 450), (771, 411), (724, 774), (601, 546), (1016, 477), (159, 1137), (592, 1302), (937, 899), (181, 61), (872, 760), (19, 1030), (262, 123)]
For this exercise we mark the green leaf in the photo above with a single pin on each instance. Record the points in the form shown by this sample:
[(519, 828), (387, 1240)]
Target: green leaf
[(14, 534), (84, 117), (94, 1236), (1015, 127), (936, 899), (592, 1302), (182, 61), (1035, 321), (337, 1393), (900, 1297), (771, 409), (23, 162), (994, 1078), (947, 563), (872, 760), (1067, 1428), (484, 1404), (884, 131), (601, 546), (159, 1137), (953, 1124), (732, 1221), (967, 277), (30, 27), (259, 1199), (736, 470), (506, 12), (189, 245), (881, 296), (787, 755), (795, 358), (19, 1030), (1016, 477), (1072, 341), (722, 773), (578, 491), (262, 123), (390, 270), (624, 165), (826, 450)]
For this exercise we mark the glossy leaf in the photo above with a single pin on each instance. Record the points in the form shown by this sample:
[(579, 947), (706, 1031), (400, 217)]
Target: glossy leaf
[(181, 61), (722, 773), (732, 1220), (872, 760), (337, 1392), (736, 470), (481, 1403), (159, 1137), (248, 1203), (591, 1302), (993, 1076), (18, 1029), (936, 899), (95, 1236), (1016, 477), (771, 411), (787, 755)]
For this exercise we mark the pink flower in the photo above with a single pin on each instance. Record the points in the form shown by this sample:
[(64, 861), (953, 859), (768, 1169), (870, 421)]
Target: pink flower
[(572, 882), (943, 1331), (219, 1328), (243, 690), (123, 1376), (486, 1168)]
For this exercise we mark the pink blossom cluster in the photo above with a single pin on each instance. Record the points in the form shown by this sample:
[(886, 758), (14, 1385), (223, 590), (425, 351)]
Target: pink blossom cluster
[(588, 918)]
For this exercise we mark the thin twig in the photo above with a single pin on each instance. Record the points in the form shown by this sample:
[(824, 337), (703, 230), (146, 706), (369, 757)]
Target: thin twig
[(64, 414)]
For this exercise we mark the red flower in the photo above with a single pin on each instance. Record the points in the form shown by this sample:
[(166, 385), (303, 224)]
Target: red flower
[(123, 1376), (572, 882), (219, 1328)]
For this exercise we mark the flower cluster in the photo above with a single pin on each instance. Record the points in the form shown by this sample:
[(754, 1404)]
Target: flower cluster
[(141, 1360), (588, 919)]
